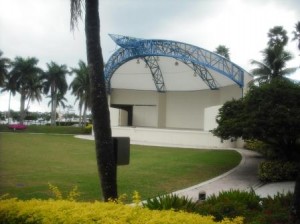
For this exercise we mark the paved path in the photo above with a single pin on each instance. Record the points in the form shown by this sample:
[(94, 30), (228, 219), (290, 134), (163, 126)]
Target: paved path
[(242, 177)]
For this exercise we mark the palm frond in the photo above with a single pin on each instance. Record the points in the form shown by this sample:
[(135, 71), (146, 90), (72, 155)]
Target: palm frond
[(76, 12)]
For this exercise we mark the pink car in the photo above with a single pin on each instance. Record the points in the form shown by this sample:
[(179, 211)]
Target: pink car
[(17, 126)]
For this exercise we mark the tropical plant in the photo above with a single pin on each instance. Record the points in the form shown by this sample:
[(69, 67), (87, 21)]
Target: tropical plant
[(273, 65), (275, 58), (81, 89), (223, 51), (296, 33), (278, 36), (25, 78), (270, 113), (99, 104), (55, 83), (4, 65)]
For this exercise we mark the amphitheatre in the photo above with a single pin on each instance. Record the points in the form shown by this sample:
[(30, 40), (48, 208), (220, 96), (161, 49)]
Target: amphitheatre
[(164, 92)]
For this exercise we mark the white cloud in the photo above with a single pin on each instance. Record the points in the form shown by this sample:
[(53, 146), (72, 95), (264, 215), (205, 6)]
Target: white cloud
[(41, 28)]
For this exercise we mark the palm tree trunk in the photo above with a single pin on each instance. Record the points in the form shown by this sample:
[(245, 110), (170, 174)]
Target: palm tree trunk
[(22, 106), (101, 118), (84, 115), (296, 201), (80, 117), (9, 107), (53, 106)]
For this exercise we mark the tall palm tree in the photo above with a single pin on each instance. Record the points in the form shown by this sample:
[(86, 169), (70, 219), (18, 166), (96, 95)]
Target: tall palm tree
[(4, 65), (100, 112), (55, 83), (296, 34), (275, 58), (61, 101), (273, 64), (81, 88), (296, 200), (35, 86), (277, 36), (25, 79), (223, 51)]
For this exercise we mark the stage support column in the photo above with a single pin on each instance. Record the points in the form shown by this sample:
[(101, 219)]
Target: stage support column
[(161, 110)]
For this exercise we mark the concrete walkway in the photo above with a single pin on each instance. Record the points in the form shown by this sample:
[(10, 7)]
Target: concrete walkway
[(242, 177)]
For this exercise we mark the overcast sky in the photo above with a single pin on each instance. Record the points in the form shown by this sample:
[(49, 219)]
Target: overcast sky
[(41, 29)]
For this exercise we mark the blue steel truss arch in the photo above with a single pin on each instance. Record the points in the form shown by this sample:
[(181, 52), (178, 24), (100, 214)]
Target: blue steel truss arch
[(198, 59)]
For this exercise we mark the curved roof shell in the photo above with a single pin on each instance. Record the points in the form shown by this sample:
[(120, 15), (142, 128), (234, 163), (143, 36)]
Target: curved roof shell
[(165, 65)]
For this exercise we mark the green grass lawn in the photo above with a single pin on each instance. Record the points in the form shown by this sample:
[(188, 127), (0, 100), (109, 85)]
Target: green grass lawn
[(28, 162)]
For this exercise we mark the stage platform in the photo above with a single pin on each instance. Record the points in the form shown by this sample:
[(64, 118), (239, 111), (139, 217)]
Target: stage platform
[(173, 137)]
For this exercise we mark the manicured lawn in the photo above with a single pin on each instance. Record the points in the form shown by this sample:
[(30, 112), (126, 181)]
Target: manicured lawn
[(28, 162)]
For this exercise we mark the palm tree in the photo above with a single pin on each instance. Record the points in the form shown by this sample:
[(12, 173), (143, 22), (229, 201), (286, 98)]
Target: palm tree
[(4, 65), (35, 86), (99, 104), (273, 64), (25, 79), (81, 88), (55, 83), (296, 200), (275, 58), (296, 34), (278, 36), (223, 51)]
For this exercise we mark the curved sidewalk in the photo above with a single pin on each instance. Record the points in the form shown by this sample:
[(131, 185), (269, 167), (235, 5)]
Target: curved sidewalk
[(242, 177)]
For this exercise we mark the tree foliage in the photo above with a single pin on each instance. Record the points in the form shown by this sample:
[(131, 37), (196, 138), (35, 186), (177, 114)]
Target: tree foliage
[(223, 51), (80, 87), (55, 82), (25, 78), (270, 113)]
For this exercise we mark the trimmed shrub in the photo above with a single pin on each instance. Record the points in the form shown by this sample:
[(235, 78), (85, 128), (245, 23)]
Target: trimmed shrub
[(230, 204), (50, 211), (263, 148), (171, 202), (274, 171), (275, 210)]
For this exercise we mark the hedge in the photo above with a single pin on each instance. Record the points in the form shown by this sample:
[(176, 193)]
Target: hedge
[(274, 171), (62, 211)]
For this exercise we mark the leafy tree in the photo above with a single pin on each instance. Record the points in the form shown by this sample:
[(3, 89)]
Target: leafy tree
[(99, 103), (223, 51), (81, 88), (4, 65), (25, 78), (55, 83), (269, 113)]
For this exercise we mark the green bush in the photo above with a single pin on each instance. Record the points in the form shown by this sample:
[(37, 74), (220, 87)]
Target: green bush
[(260, 147), (274, 210), (71, 212), (88, 129), (274, 171), (230, 204), (171, 202)]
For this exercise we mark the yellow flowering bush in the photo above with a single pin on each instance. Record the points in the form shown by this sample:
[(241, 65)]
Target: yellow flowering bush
[(63, 211)]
